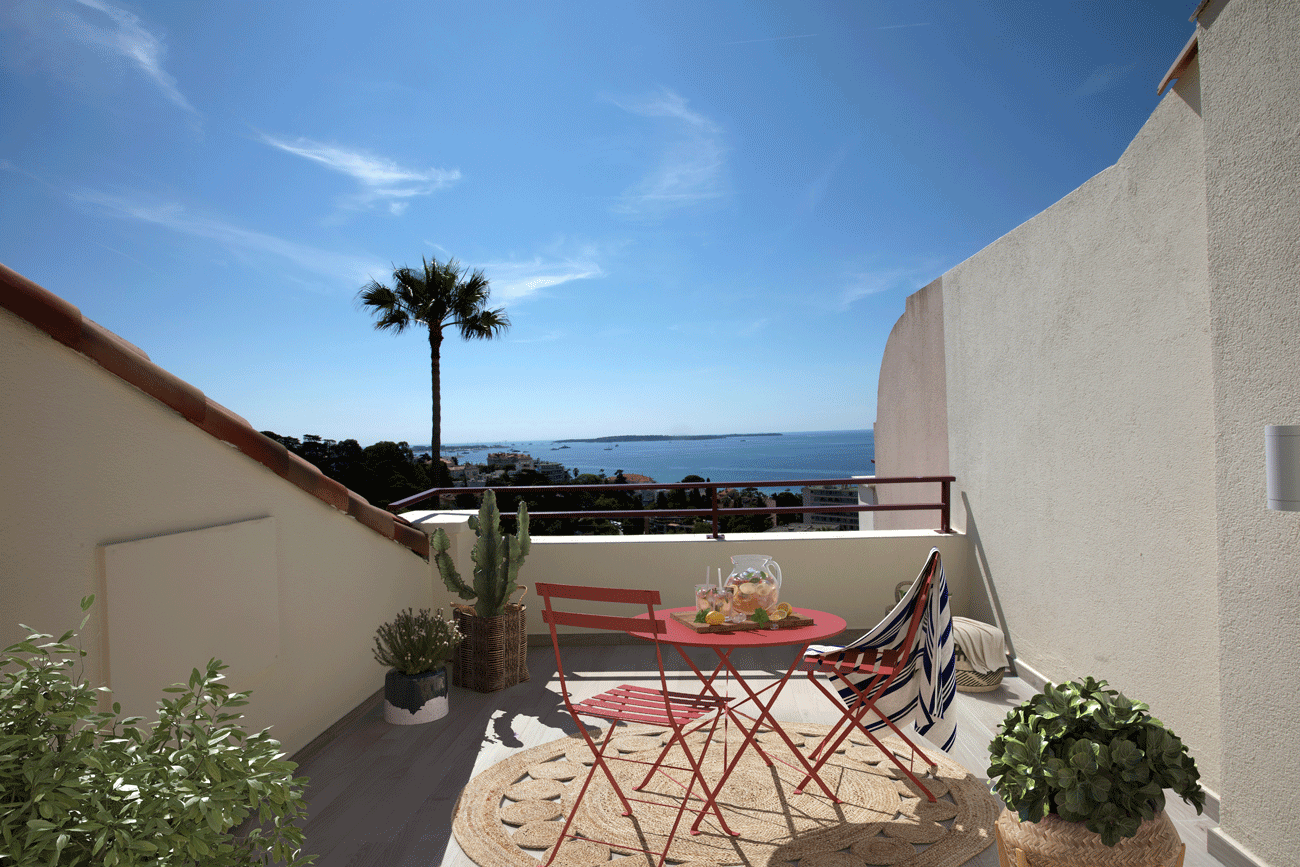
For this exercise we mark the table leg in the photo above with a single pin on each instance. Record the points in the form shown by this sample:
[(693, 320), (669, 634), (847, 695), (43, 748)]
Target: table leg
[(765, 713)]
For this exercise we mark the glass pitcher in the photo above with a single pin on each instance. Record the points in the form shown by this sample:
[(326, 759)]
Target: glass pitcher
[(754, 582)]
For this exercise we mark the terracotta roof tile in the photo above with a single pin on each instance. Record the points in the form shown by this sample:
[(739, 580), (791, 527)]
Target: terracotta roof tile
[(114, 355), (65, 323), (41, 308), (412, 538), (373, 517)]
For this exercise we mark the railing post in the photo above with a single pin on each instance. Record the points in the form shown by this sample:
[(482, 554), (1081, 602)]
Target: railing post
[(714, 492), (945, 514)]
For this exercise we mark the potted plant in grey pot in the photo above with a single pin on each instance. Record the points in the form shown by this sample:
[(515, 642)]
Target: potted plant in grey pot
[(1083, 771), (494, 654), (84, 786), (416, 648)]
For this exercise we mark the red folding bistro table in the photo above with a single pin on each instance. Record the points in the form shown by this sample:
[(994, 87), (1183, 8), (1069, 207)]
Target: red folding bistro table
[(681, 636)]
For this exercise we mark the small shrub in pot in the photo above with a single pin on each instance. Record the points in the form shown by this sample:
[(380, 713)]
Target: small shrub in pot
[(415, 643), (416, 648)]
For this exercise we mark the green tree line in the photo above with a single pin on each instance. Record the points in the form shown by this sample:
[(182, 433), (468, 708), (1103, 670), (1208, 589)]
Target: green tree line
[(386, 472)]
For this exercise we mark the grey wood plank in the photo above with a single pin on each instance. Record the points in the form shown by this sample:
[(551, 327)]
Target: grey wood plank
[(384, 796)]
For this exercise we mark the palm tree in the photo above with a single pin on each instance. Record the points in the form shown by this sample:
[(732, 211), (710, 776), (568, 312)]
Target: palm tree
[(438, 297)]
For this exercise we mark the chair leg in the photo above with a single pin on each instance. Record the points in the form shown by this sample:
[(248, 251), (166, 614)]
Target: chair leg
[(599, 762), (868, 704), (677, 736), (855, 716), (845, 719)]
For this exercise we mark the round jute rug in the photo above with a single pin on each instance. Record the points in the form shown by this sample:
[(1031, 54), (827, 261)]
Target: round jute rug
[(512, 813)]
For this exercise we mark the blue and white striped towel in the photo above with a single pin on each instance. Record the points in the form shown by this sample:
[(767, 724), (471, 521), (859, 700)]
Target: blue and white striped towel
[(923, 691)]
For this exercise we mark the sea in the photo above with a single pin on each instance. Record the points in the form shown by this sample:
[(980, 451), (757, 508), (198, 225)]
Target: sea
[(835, 454)]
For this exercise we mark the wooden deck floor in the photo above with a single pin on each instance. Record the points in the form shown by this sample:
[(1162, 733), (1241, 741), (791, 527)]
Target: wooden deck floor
[(383, 795)]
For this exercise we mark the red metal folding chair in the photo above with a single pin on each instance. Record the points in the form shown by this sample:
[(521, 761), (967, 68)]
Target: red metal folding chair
[(866, 671), (682, 712)]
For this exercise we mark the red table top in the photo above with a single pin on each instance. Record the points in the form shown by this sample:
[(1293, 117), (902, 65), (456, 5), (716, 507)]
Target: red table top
[(824, 626)]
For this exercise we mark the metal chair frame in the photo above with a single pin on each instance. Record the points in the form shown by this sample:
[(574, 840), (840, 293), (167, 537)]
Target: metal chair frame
[(882, 666), (682, 712)]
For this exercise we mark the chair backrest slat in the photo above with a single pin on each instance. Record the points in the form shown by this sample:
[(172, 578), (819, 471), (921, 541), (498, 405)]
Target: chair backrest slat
[(603, 621), (597, 594), (647, 624), (922, 600)]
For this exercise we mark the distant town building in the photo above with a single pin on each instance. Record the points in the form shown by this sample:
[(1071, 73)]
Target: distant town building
[(509, 460), (831, 495), (555, 473)]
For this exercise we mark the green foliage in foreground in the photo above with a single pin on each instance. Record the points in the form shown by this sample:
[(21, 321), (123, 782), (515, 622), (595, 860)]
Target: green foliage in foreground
[(82, 787), (415, 643), (1090, 755)]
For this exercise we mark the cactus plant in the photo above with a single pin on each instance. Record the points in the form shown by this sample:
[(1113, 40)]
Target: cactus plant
[(497, 557)]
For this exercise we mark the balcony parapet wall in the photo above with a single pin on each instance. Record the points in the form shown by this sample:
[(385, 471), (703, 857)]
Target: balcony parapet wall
[(850, 573)]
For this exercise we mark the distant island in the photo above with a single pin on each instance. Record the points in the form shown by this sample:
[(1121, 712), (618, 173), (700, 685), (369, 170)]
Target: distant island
[(655, 438)]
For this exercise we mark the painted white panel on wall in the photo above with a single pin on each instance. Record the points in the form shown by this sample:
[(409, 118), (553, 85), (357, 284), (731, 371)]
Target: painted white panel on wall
[(173, 602)]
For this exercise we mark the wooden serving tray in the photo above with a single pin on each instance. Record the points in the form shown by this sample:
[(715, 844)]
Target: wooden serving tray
[(687, 619)]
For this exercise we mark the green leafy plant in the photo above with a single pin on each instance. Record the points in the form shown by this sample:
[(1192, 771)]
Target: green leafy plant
[(79, 786), (1088, 754), (415, 643), (497, 557)]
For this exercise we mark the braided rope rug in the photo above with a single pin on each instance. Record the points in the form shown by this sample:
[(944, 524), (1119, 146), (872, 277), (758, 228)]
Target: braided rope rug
[(510, 814)]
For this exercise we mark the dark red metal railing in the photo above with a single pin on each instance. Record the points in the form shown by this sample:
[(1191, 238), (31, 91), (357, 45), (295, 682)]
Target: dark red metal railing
[(715, 512)]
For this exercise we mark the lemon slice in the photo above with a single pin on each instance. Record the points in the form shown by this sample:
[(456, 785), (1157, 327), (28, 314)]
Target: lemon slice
[(713, 618), (777, 614), (785, 609)]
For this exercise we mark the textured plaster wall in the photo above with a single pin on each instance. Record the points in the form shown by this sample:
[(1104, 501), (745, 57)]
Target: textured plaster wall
[(912, 410), (89, 462), (1081, 429), (1249, 54)]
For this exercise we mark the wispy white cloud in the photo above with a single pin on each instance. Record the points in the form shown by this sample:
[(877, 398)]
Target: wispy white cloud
[(1103, 78), (110, 31), (691, 164), (515, 281), (337, 268), (816, 191), (382, 180), (906, 278)]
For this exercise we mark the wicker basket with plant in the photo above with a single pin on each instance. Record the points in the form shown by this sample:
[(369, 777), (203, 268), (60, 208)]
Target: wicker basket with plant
[(1083, 762)]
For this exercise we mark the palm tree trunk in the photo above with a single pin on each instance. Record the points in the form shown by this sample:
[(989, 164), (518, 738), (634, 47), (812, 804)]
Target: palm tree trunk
[(435, 433)]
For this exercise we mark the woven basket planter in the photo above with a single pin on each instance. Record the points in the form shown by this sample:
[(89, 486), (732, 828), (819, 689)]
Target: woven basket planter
[(970, 680), (494, 652), (1053, 842)]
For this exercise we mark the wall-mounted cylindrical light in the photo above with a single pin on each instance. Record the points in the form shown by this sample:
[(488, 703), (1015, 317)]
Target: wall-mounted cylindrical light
[(1282, 463)]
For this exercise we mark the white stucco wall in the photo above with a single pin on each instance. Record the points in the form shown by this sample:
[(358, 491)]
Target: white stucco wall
[(1249, 54), (1081, 429), (911, 432), (90, 465)]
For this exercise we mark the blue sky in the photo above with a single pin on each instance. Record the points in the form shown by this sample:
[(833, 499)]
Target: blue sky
[(701, 217)]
